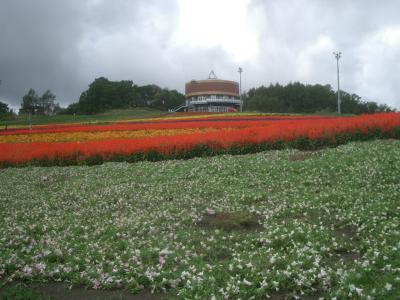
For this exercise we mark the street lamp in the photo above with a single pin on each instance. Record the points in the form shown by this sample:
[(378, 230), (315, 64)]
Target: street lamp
[(240, 88), (337, 56)]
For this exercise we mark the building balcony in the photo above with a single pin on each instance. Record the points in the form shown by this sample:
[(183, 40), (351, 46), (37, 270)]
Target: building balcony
[(214, 101)]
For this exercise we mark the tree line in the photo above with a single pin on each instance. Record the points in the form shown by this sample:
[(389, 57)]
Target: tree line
[(300, 98), (5, 111), (34, 104), (103, 94)]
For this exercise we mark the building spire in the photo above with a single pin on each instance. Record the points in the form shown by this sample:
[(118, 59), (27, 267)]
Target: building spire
[(212, 75)]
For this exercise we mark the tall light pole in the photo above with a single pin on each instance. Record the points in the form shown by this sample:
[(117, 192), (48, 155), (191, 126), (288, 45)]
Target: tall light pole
[(337, 56), (240, 88)]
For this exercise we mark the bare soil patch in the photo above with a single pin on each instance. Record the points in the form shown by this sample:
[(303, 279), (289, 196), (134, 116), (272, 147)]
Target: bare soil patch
[(231, 221), (303, 155), (61, 291), (347, 256), (286, 295), (347, 232)]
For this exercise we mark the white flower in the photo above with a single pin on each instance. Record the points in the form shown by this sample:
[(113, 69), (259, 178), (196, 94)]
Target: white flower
[(210, 211), (40, 267), (365, 263), (96, 284), (27, 270), (165, 252), (388, 286), (247, 282), (356, 289), (161, 260)]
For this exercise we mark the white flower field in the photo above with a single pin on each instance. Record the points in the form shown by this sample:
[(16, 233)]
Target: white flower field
[(280, 224)]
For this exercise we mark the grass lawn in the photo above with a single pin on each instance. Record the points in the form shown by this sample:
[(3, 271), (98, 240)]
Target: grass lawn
[(275, 224), (116, 115), (109, 116)]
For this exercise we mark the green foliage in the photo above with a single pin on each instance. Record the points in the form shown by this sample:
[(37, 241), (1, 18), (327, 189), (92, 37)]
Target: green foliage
[(300, 98), (39, 105), (104, 94), (254, 226), (4, 109), (29, 102), (46, 103), (70, 110), (63, 117), (5, 112), (20, 292)]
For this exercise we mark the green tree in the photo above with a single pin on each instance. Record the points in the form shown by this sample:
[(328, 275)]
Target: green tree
[(33, 104), (4, 109), (71, 109), (46, 103), (30, 102), (299, 98), (5, 112), (104, 94)]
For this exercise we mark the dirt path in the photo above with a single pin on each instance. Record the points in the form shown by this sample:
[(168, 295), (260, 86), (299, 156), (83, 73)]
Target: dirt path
[(61, 291)]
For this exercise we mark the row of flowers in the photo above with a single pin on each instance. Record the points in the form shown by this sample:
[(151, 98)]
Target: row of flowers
[(160, 123), (189, 139), (97, 135)]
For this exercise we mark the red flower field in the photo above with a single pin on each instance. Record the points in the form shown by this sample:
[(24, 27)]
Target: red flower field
[(207, 136)]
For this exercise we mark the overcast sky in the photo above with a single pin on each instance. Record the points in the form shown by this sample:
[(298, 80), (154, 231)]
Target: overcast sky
[(64, 45)]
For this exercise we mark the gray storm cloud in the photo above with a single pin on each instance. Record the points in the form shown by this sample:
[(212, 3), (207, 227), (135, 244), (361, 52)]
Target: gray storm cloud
[(64, 45)]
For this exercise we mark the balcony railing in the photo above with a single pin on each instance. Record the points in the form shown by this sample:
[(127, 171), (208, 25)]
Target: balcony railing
[(213, 100)]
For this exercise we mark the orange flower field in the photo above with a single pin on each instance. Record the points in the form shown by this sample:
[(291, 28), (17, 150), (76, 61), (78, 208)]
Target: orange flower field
[(186, 137)]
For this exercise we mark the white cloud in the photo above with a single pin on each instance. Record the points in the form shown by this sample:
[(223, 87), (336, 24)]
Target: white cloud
[(313, 57), (379, 61), (209, 23)]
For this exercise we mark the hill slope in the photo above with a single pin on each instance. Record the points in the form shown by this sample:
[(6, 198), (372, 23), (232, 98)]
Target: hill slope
[(276, 223)]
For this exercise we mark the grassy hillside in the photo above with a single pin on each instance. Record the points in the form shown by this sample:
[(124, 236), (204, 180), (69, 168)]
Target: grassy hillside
[(277, 223), (112, 115)]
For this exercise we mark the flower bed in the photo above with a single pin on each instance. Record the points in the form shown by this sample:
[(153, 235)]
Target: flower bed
[(165, 139), (273, 225)]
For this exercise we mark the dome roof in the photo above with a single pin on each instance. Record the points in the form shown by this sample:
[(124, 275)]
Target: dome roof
[(211, 87)]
